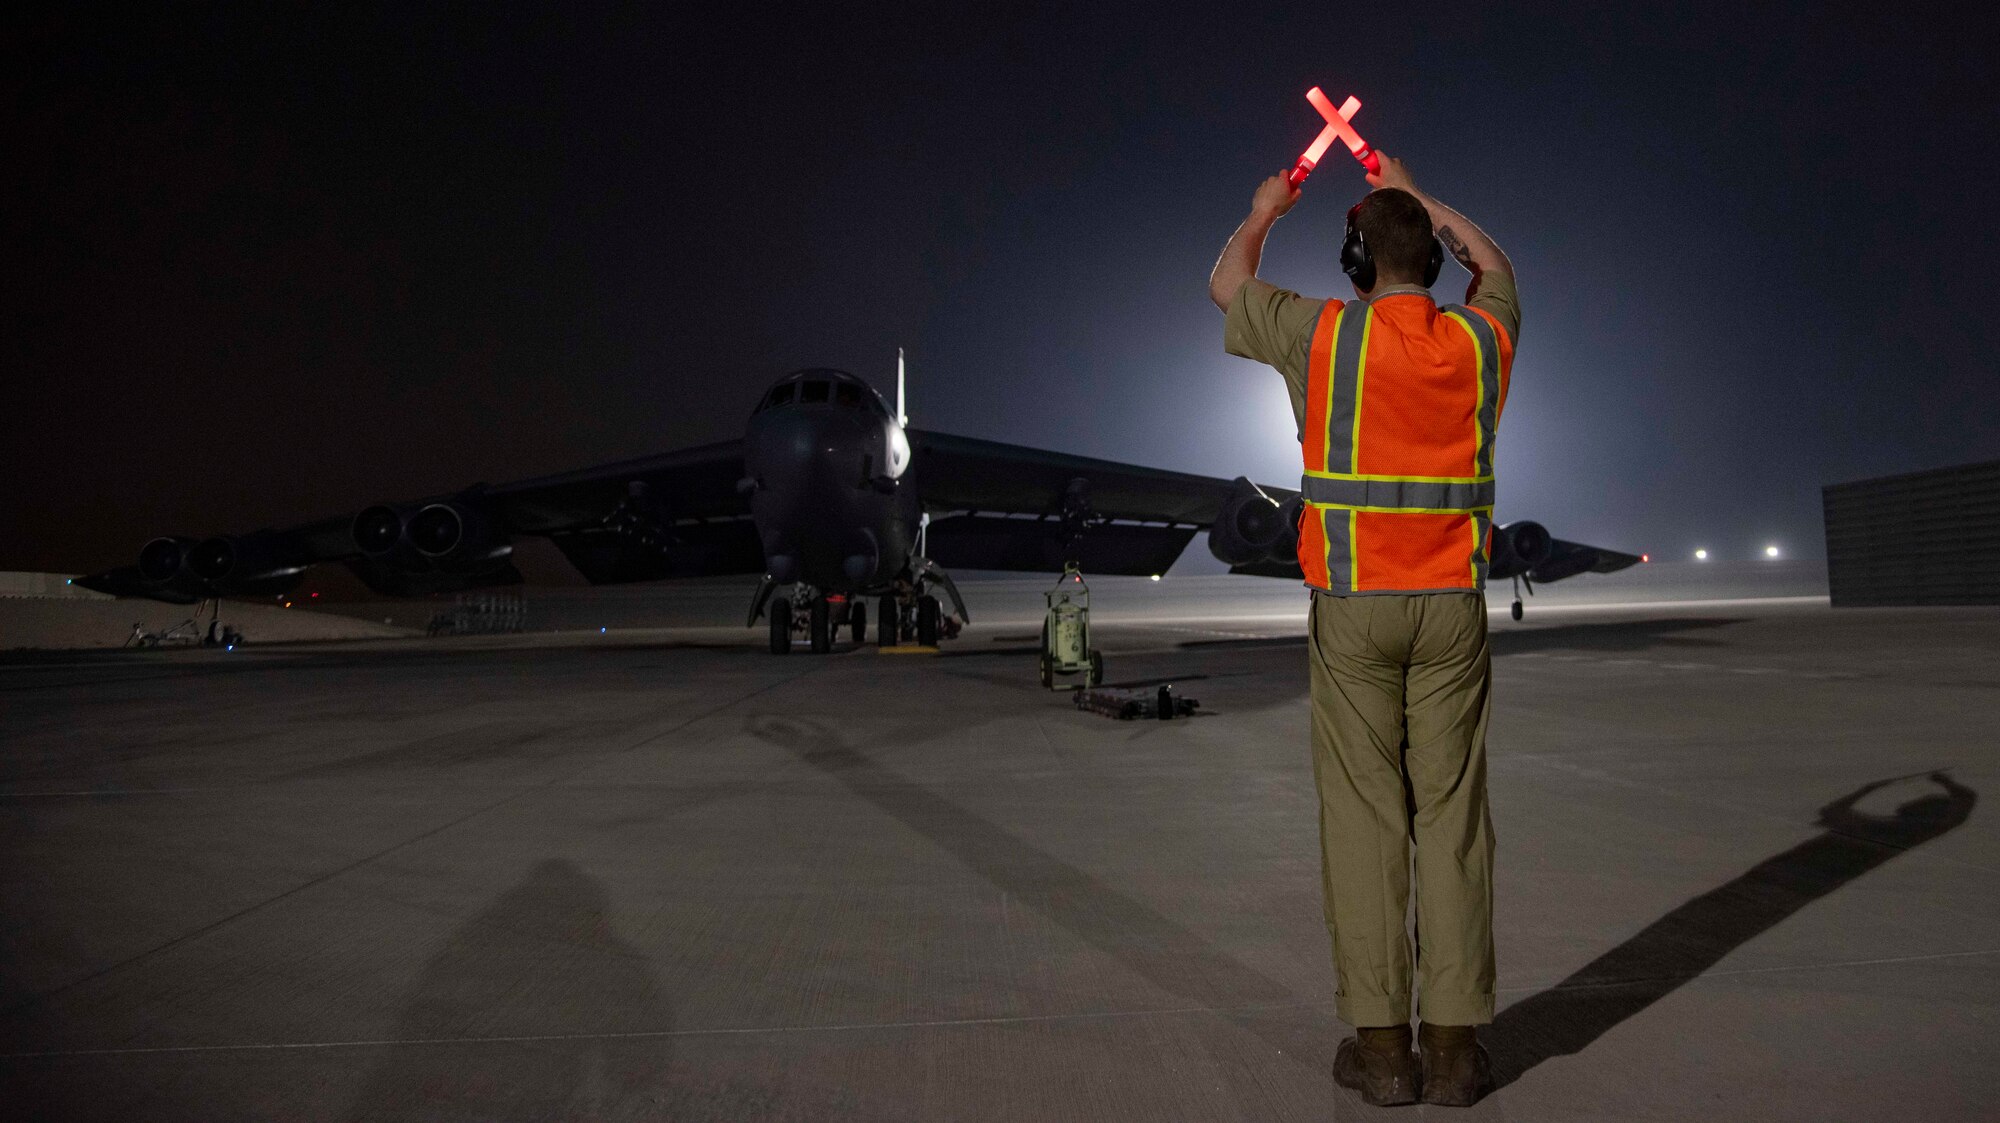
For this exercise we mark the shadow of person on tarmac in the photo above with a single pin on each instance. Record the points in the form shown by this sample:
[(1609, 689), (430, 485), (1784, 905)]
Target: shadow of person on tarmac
[(514, 1017), (1567, 1017)]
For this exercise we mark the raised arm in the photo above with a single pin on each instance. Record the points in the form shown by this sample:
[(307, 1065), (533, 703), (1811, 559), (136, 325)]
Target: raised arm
[(1239, 259), (1464, 241)]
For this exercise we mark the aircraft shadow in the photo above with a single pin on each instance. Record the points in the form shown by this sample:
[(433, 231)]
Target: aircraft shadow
[(1617, 635), (1567, 1017), (1154, 947), (540, 960), (1614, 635)]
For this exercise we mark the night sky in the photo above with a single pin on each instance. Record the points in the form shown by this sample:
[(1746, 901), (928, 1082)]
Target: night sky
[(269, 266)]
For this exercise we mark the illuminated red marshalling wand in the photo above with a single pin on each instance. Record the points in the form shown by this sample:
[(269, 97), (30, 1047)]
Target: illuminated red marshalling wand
[(1337, 125)]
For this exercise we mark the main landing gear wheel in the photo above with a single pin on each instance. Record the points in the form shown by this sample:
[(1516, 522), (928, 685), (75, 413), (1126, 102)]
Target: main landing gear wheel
[(857, 618), (1516, 609), (821, 630), (885, 622), (781, 626), (927, 621)]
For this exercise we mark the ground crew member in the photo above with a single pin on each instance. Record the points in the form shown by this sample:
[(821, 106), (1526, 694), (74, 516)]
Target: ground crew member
[(1398, 401)]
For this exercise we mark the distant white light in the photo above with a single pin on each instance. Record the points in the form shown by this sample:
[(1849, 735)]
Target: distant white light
[(1770, 551), (1156, 577), (1701, 555)]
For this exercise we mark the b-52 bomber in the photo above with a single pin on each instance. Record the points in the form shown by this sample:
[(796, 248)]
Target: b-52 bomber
[(830, 497)]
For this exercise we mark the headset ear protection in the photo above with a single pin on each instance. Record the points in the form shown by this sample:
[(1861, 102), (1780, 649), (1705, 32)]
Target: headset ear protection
[(1359, 264)]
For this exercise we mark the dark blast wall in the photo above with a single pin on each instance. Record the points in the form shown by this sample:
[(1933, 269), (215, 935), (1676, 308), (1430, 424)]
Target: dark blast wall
[(1924, 538)]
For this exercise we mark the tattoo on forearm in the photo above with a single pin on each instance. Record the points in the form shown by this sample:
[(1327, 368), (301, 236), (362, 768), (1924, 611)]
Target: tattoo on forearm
[(1455, 244)]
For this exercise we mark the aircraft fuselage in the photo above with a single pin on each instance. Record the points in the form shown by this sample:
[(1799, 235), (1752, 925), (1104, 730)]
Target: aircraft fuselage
[(831, 496)]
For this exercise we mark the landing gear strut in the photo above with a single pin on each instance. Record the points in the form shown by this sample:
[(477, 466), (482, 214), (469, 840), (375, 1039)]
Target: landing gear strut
[(1516, 609), (781, 627)]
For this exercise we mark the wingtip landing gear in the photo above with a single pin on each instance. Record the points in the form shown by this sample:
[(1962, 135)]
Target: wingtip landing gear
[(1516, 608)]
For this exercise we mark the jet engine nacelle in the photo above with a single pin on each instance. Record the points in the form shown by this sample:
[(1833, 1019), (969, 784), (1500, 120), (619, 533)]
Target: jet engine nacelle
[(1519, 547), (1254, 528), (251, 563), (449, 536), (163, 559)]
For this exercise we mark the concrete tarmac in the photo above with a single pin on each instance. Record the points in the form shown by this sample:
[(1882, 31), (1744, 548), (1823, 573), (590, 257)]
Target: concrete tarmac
[(1744, 873)]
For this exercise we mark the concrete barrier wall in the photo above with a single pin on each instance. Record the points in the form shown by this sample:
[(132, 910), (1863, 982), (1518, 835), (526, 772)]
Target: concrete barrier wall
[(1924, 538)]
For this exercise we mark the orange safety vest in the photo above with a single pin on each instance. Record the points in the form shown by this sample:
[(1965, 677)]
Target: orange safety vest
[(1403, 401)]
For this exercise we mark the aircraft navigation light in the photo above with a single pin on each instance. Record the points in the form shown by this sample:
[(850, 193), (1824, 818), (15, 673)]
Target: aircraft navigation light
[(1770, 551), (1701, 555), (1645, 557)]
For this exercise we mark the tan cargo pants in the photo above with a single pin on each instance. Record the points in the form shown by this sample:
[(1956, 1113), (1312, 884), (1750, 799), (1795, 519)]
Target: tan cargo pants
[(1400, 699)]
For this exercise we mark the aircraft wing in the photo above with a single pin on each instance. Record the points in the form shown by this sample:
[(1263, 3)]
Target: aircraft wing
[(1004, 506), (1567, 559), (673, 515)]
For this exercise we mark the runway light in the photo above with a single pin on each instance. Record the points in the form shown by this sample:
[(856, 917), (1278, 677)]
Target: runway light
[(601, 631), (1701, 555), (1770, 551)]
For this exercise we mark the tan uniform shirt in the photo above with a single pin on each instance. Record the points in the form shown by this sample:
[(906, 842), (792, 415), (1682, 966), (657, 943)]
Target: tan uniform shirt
[(1274, 326)]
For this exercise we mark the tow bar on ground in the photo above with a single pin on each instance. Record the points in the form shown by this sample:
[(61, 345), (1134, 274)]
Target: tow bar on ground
[(1137, 702)]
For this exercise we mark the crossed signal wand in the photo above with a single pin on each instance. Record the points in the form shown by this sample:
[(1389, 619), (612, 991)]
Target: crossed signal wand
[(1338, 124)]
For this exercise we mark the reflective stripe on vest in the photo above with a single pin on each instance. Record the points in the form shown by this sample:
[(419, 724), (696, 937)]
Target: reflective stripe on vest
[(1337, 494)]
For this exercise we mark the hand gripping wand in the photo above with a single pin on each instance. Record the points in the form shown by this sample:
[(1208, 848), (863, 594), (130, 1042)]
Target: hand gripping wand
[(1338, 124)]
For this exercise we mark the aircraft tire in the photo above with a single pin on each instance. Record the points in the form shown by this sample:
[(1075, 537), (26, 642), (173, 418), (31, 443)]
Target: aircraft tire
[(1517, 610), (927, 621), (857, 618), (821, 626), (781, 627), (886, 622)]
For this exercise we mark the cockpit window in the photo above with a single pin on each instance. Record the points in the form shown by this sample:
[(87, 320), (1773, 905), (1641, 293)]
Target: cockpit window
[(847, 395), (812, 391), (780, 394)]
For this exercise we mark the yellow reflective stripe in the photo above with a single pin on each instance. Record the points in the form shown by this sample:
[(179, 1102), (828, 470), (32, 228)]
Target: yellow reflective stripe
[(1400, 510), (1473, 563), (1365, 478), (1353, 552), (1360, 380), (1479, 380)]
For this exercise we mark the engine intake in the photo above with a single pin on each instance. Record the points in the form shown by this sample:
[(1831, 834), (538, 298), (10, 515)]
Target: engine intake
[(232, 560), (160, 560), (1253, 527), (378, 531), (1520, 546), (456, 536)]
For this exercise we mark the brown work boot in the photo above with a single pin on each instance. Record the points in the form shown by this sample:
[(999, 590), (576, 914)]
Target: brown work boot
[(1378, 1064), (1456, 1070)]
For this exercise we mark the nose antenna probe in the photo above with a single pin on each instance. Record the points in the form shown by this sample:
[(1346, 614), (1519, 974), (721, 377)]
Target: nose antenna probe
[(901, 417)]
